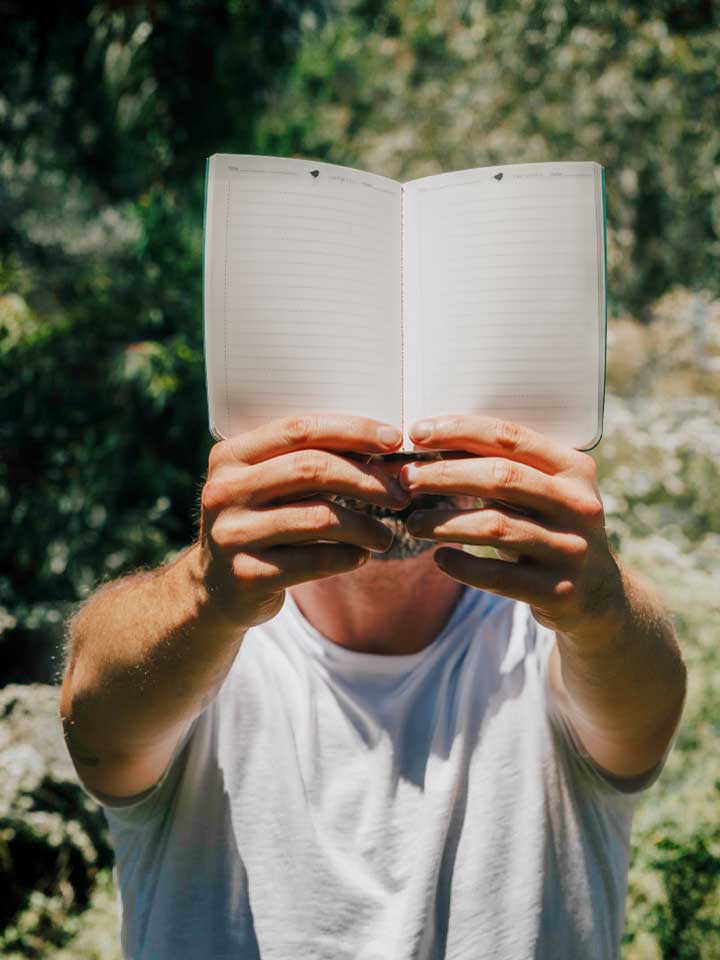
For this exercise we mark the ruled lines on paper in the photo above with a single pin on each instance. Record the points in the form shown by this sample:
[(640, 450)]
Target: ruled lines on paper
[(309, 314), (506, 299)]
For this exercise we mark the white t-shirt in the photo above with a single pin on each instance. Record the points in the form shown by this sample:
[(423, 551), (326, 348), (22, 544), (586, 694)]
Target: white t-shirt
[(335, 805)]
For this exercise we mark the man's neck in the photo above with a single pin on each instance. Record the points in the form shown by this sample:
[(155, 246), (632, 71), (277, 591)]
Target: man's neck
[(386, 606)]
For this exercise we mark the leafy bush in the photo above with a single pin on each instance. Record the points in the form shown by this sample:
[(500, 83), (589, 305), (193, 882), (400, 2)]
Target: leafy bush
[(659, 470)]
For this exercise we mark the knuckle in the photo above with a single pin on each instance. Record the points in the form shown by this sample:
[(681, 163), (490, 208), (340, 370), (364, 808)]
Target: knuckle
[(454, 426), (222, 535), (320, 516), (578, 547), (497, 525), (310, 467), (299, 431), (442, 470), (505, 474), (507, 434), (590, 508), (213, 495), (587, 466), (219, 454)]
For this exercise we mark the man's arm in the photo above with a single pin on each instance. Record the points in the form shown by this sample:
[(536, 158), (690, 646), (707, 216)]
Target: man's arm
[(622, 683), (149, 652), (616, 671)]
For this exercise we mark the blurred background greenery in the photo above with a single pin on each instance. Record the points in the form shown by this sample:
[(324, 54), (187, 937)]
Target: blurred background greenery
[(107, 112)]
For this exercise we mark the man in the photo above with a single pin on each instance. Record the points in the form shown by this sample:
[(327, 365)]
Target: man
[(436, 755)]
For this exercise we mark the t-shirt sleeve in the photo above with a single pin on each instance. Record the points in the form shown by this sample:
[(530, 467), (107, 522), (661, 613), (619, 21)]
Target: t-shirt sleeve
[(144, 807), (602, 779)]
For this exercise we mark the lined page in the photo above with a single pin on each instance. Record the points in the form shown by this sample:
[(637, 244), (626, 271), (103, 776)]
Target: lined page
[(505, 297), (302, 291)]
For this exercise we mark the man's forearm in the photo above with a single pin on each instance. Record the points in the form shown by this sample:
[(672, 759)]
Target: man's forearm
[(147, 654), (623, 681)]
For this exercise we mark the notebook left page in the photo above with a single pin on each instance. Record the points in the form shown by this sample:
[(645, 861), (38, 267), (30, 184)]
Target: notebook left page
[(302, 291)]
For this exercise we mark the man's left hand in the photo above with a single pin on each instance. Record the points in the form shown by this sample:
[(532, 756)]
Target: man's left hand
[(545, 514)]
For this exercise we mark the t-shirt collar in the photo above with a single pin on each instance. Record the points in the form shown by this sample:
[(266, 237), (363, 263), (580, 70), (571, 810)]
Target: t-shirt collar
[(341, 659)]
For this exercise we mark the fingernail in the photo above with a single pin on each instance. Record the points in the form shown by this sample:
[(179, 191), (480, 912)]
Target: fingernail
[(422, 430), (389, 436), (408, 475)]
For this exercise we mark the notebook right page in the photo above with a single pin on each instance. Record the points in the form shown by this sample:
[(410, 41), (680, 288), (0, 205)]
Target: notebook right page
[(504, 297)]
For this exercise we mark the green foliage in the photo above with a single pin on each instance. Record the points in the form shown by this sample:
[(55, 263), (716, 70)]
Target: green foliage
[(690, 872), (658, 471), (105, 120), (415, 88), (53, 839)]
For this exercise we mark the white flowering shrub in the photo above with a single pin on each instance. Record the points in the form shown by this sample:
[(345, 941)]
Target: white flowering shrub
[(659, 469)]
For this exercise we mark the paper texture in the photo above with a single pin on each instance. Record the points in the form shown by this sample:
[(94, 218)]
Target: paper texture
[(302, 294), (504, 304), (476, 292)]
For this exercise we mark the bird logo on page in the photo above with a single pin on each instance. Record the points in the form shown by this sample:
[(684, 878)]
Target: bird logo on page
[(498, 176), (315, 173)]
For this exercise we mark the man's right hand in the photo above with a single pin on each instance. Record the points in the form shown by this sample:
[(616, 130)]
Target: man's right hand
[(264, 509)]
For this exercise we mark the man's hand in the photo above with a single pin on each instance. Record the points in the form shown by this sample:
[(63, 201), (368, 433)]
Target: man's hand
[(616, 671), (546, 514), (151, 651), (265, 495)]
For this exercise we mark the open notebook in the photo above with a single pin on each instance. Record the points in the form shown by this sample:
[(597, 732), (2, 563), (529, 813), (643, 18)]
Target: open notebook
[(476, 292)]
